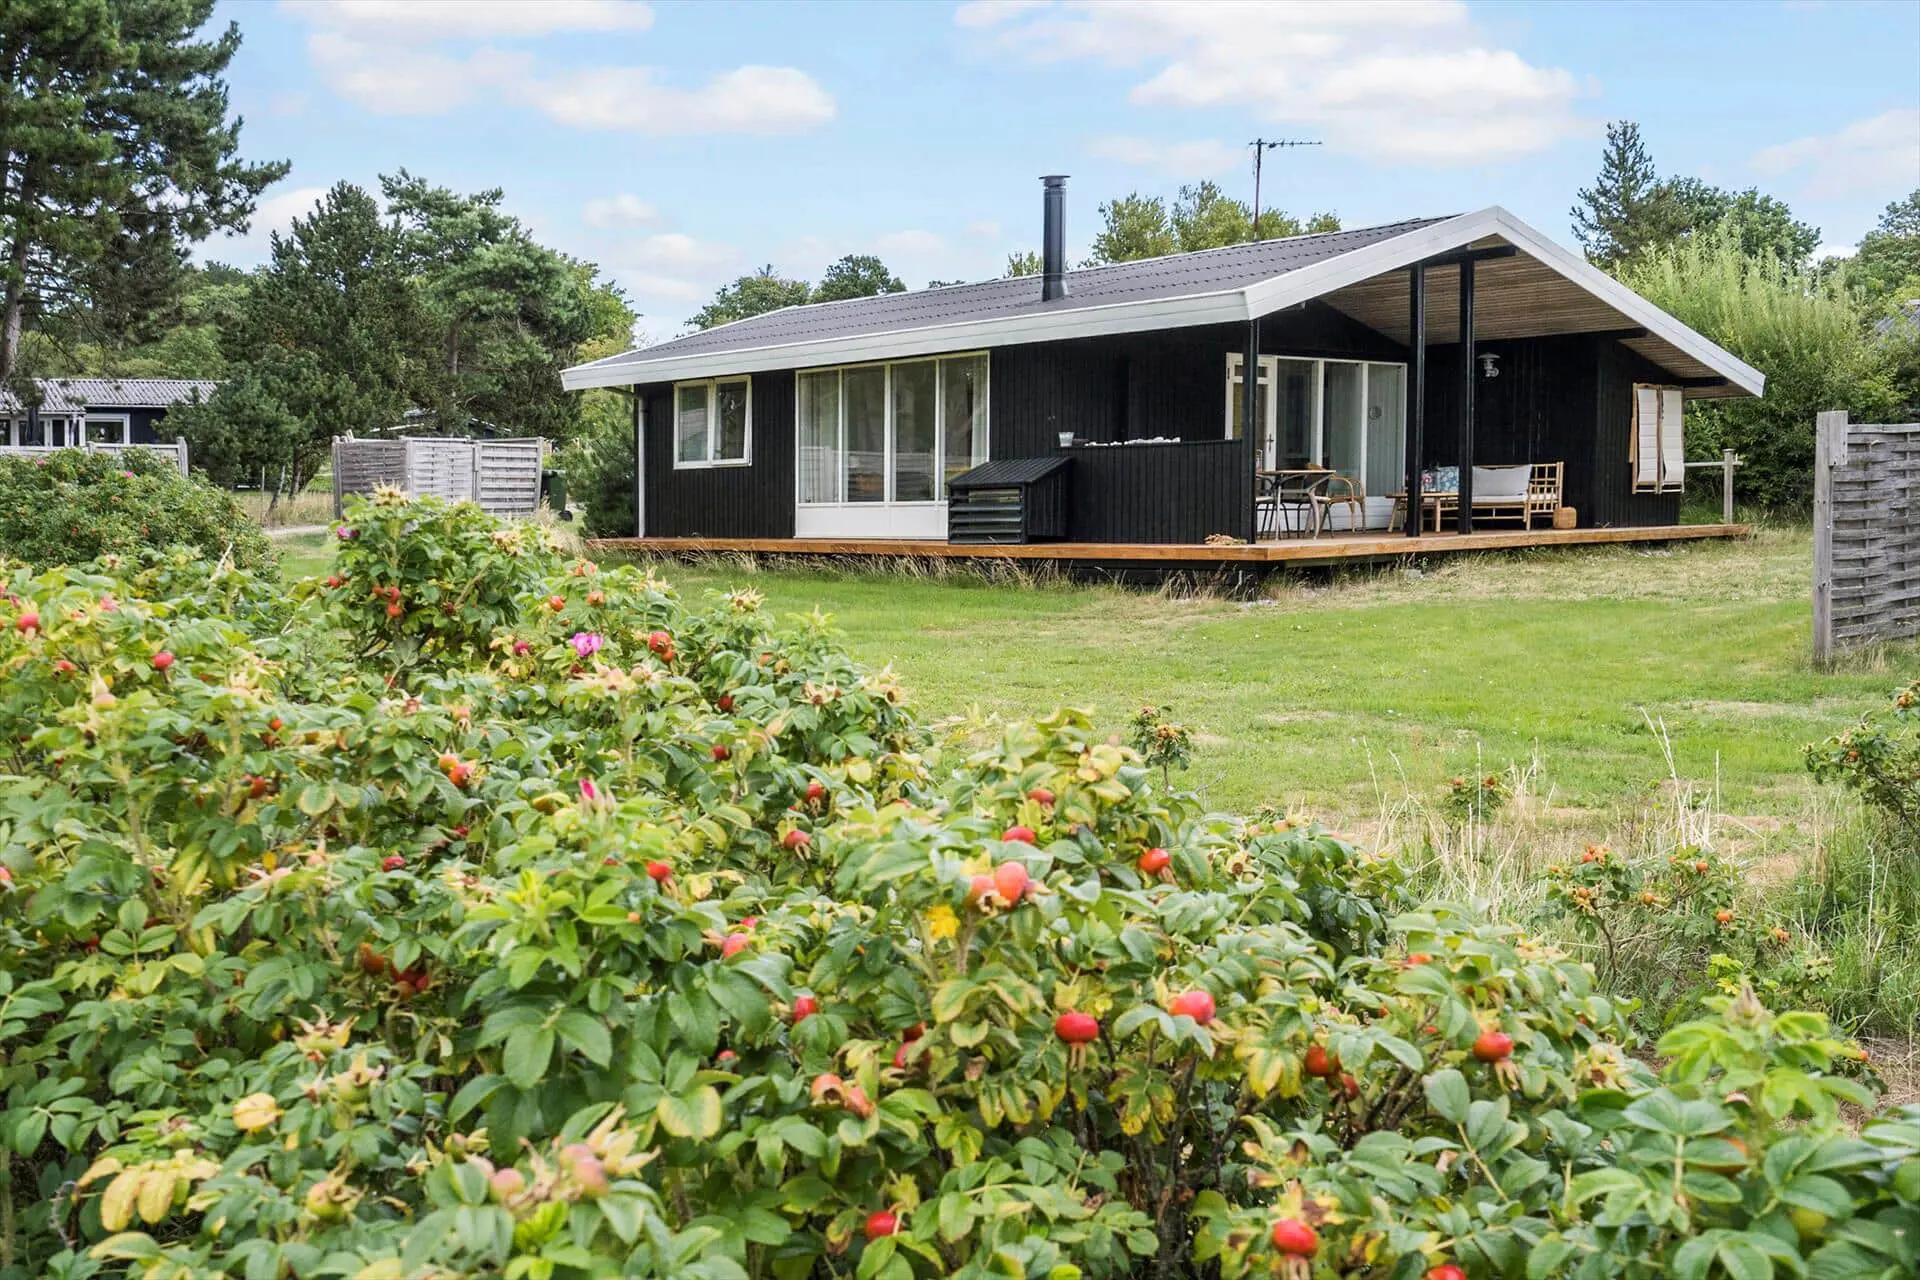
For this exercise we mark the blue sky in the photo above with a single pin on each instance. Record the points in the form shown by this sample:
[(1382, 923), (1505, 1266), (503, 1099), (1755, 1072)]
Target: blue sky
[(679, 145)]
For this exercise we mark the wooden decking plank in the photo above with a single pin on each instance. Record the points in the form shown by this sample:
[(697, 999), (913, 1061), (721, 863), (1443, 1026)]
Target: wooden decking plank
[(1303, 550)]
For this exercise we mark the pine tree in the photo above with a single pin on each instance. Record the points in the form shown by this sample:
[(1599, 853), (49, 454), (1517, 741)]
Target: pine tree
[(116, 150), (1611, 219)]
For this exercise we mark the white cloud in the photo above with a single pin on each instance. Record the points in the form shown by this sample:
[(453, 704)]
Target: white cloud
[(679, 253), (623, 210), (473, 18), (1201, 158), (1398, 80), (1876, 154), (987, 229), (397, 58), (744, 100), (393, 80), (645, 284), (1826, 251), (273, 213), (907, 243)]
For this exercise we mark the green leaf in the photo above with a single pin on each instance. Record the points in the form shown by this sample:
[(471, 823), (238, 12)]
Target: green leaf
[(587, 1034), (1448, 1095), (526, 1055), (695, 1115)]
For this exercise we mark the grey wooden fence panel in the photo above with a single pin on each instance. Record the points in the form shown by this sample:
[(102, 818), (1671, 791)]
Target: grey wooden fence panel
[(1866, 521), (503, 476), (508, 475)]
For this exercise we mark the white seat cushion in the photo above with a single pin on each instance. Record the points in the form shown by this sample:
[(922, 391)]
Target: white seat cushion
[(1501, 482)]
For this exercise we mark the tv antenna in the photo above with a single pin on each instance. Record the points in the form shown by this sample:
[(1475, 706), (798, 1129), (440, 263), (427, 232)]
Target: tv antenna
[(1260, 148)]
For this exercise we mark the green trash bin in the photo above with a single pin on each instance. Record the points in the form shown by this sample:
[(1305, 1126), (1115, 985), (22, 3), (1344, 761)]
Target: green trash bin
[(553, 488)]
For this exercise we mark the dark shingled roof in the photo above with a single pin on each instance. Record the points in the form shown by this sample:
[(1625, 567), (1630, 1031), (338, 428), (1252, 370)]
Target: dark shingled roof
[(1008, 471), (1176, 276)]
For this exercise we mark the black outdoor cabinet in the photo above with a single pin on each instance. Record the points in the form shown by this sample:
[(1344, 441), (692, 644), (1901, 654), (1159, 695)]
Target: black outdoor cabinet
[(1015, 500)]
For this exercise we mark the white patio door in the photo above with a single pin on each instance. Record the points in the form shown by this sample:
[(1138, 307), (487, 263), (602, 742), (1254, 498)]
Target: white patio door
[(1346, 415)]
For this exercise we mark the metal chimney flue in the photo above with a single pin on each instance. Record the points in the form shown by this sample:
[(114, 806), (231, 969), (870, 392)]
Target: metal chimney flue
[(1053, 240)]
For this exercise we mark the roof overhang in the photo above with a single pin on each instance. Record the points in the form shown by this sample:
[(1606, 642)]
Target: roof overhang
[(1665, 335)]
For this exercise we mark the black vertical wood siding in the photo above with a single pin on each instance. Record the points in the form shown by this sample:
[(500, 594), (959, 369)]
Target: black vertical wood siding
[(1161, 492), (754, 501), (1566, 399)]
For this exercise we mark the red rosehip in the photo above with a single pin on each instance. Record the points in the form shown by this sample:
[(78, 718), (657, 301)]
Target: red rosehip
[(881, 1223), (1295, 1238), (1077, 1028), (1010, 881), (459, 833), (1349, 1086), (1195, 1004), (1154, 861), (978, 888), (334, 580), (816, 791), (1320, 1064), (162, 660), (734, 944), (724, 702), (914, 1032), (725, 1058), (1493, 1046), (395, 610), (392, 862), (1019, 835), (721, 752), (596, 597), (556, 603), (795, 839), (27, 622), (804, 1007), (1446, 1271), (1040, 795), (900, 1062), (660, 642), (659, 871)]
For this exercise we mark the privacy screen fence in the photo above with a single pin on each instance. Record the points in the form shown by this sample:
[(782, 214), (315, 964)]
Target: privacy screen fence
[(503, 476), (1866, 534)]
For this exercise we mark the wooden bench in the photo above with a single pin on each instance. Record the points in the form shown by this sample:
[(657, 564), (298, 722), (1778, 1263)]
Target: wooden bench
[(1543, 496)]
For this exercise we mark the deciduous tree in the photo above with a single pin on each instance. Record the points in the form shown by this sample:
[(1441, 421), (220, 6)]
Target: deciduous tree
[(858, 275), (763, 291)]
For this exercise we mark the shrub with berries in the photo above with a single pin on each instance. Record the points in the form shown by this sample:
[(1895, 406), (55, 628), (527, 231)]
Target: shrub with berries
[(505, 971)]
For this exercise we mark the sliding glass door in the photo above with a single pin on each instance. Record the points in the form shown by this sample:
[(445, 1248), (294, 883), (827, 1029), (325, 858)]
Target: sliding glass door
[(877, 444), (1348, 416)]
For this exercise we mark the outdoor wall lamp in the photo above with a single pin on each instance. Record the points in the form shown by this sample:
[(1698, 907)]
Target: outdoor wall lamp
[(1489, 365)]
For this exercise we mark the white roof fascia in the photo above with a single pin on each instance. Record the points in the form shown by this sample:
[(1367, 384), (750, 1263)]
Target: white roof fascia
[(1302, 284)]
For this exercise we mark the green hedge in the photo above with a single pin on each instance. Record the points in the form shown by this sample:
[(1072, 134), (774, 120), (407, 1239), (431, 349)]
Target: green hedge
[(69, 507)]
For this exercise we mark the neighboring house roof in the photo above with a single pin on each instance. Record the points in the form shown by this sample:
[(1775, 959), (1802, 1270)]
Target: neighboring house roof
[(1237, 283), (77, 395)]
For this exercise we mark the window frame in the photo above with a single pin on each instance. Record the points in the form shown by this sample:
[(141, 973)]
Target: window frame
[(124, 419), (983, 443), (1236, 361), (712, 387)]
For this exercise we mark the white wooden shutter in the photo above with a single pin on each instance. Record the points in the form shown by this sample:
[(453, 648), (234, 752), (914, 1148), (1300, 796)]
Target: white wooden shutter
[(1673, 445), (1646, 437)]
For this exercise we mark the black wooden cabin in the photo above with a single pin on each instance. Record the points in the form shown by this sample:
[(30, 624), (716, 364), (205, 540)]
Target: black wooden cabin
[(849, 421)]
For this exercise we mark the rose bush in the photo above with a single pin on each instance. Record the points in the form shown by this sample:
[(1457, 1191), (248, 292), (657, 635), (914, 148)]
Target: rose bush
[(448, 943), (70, 506)]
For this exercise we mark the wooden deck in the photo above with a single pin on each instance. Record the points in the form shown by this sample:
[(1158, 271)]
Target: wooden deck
[(1299, 551)]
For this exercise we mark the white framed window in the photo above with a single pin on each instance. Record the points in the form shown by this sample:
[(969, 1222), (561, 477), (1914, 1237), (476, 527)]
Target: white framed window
[(890, 434), (713, 423), (109, 428), (1348, 416)]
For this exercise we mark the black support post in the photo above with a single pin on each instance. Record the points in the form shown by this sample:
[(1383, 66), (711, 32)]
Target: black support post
[(1250, 418), (1416, 392), (1465, 517)]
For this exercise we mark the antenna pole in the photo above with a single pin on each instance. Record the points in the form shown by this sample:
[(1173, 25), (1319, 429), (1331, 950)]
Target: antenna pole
[(1260, 147)]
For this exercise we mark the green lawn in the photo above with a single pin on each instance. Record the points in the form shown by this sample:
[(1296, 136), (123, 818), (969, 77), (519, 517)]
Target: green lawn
[(1346, 694)]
